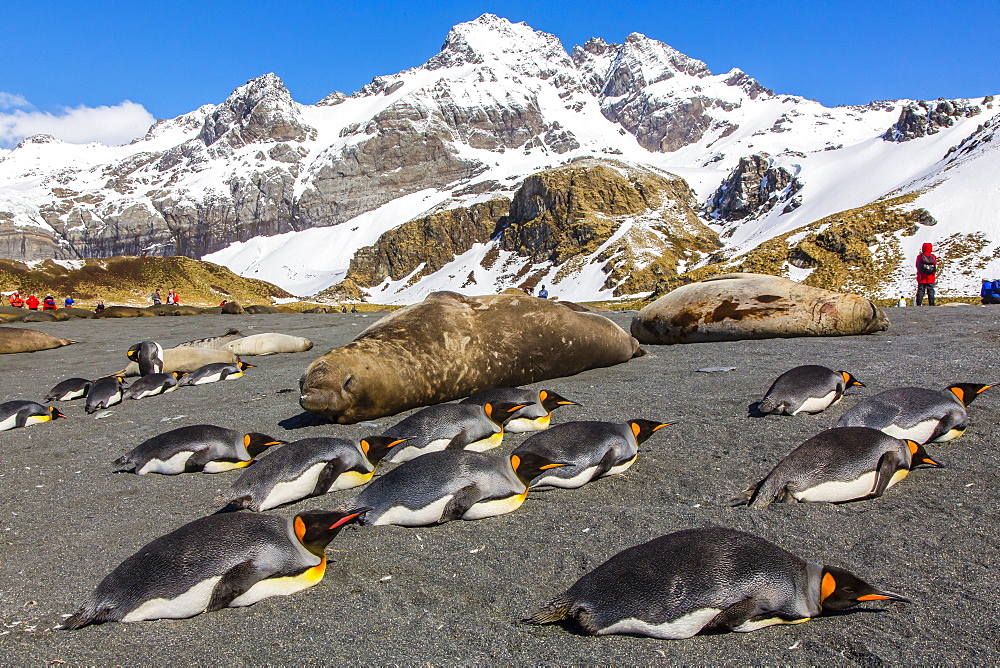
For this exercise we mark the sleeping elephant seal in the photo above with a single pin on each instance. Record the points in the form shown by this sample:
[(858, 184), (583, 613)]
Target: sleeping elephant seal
[(257, 309), (17, 340), (124, 312), (451, 346), (213, 342), (40, 316), (72, 312), (232, 308), (268, 344), (186, 359), (734, 307)]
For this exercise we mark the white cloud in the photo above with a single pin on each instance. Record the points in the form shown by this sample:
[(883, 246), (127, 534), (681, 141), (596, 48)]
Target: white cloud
[(114, 125)]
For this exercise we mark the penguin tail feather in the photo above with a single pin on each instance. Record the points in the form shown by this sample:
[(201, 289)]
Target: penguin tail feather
[(89, 613), (556, 610), (767, 405), (124, 462)]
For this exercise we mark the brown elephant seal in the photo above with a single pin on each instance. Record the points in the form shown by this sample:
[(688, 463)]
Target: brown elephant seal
[(257, 309), (451, 346), (73, 312), (734, 307), (124, 312), (42, 316), (268, 344), (17, 340), (232, 308), (213, 342), (186, 359)]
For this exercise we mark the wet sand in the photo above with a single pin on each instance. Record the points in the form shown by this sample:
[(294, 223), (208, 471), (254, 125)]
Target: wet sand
[(455, 593)]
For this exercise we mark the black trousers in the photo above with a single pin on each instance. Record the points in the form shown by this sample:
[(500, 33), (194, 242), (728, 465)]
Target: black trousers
[(925, 289), (991, 299)]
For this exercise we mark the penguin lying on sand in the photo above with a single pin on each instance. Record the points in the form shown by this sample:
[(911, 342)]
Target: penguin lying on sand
[(451, 427), (309, 467), (707, 579), (148, 355), (449, 485), (153, 384), (810, 388), (537, 411), (22, 413), (213, 373), (589, 450), (836, 465), (69, 389), (916, 413), (218, 561), (200, 447), (105, 393)]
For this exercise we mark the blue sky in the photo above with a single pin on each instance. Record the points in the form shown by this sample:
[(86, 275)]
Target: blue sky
[(64, 57)]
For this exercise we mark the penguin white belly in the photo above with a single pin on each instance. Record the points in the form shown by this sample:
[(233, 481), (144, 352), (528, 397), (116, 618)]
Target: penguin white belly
[(579, 480), (170, 389), (621, 468), (414, 517), (837, 490), (682, 627), (495, 507), (170, 466), (69, 396), (8, 423), (280, 586), (220, 467), (488, 443), (816, 404), (746, 627), (523, 425), (213, 378), (192, 602), (919, 432), (350, 479), (293, 490), (412, 452)]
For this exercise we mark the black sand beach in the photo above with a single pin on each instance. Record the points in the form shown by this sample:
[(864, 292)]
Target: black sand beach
[(454, 594)]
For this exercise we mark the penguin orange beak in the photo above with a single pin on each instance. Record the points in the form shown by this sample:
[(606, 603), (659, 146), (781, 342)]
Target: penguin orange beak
[(357, 512), (884, 596)]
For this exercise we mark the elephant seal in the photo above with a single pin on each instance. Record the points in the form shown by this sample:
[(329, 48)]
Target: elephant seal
[(232, 308), (735, 307), (73, 312), (213, 342), (186, 359), (41, 316), (124, 312), (17, 340), (451, 346), (268, 344), (256, 309)]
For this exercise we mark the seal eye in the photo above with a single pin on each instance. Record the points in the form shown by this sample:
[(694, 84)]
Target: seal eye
[(348, 383)]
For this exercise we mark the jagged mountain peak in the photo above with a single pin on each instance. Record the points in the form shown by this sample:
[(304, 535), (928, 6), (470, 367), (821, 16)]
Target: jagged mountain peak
[(260, 110)]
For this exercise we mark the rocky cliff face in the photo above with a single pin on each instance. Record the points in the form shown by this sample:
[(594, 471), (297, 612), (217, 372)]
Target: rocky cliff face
[(754, 187), (927, 118)]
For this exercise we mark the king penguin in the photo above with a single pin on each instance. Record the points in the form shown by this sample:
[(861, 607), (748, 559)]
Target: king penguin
[(916, 413), (200, 447), (451, 427), (22, 413), (213, 373), (105, 393), (153, 384), (538, 406), (219, 561), (69, 389), (309, 467), (148, 355), (589, 450), (706, 579), (810, 388), (837, 465), (447, 485)]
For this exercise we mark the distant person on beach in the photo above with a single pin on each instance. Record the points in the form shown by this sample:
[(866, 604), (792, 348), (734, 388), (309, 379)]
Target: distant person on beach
[(177, 298), (926, 274), (99, 307), (543, 293), (16, 300), (990, 292), (156, 297), (49, 304), (32, 302), (68, 302)]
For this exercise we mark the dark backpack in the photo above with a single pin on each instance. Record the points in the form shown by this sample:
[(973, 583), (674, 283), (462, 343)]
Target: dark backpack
[(927, 266)]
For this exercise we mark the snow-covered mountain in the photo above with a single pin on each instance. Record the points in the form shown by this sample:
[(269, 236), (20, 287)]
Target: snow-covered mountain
[(506, 160)]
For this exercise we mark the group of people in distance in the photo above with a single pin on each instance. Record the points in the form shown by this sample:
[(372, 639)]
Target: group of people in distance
[(172, 297), (32, 303)]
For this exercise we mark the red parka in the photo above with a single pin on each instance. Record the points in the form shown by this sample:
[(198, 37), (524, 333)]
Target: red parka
[(925, 260)]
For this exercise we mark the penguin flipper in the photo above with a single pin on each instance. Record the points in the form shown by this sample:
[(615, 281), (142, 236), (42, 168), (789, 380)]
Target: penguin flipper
[(735, 615), (328, 476), (887, 466), (607, 463), (236, 582), (459, 440), (463, 499)]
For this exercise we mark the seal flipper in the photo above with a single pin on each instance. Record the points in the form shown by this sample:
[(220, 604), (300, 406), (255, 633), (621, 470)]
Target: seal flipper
[(735, 615), (236, 582), (463, 499)]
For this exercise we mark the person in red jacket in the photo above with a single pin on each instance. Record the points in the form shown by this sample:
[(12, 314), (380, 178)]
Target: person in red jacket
[(49, 303), (16, 301), (926, 274), (32, 302)]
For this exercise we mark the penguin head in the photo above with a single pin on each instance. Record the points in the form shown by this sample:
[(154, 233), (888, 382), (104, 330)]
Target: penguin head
[(919, 456), (54, 413), (840, 590), (256, 443), (121, 380), (133, 352), (244, 366), (529, 465), (643, 429), (850, 380), (551, 401), (967, 392), (178, 374), (499, 412), (316, 528), (377, 447)]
